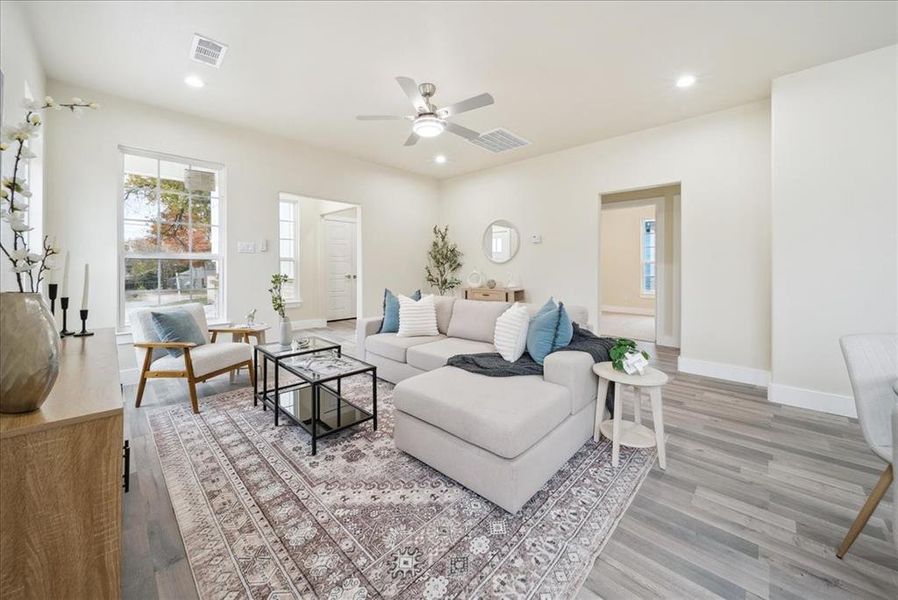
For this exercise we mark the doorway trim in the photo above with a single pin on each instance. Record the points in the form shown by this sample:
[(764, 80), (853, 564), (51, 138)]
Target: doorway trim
[(668, 269)]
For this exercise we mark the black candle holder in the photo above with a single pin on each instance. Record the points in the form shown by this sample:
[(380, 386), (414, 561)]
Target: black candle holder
[(64, 305), (51, 293), (84, 332)]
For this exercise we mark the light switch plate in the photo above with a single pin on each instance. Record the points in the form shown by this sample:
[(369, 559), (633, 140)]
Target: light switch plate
[(263, 246), (246, 247)]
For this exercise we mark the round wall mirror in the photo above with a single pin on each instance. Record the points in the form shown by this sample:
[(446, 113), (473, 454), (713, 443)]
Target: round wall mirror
[(501, 241)]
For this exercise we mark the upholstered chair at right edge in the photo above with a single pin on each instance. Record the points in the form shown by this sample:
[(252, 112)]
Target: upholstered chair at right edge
[(872, 361)]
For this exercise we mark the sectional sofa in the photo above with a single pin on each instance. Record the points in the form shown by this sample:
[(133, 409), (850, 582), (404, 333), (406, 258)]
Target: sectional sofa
[(502, 437)]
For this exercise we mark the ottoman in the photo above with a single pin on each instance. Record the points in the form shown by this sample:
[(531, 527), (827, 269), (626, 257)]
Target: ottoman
[(501, 437)]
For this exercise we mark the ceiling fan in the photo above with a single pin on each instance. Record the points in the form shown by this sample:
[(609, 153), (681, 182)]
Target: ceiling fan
[(429, 120)]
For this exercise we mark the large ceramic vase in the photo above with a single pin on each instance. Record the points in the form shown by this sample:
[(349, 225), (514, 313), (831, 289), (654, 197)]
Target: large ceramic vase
[(29, 352)]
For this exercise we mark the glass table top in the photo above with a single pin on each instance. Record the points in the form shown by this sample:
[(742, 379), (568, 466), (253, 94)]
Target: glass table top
[(323, 365), (278, 350)]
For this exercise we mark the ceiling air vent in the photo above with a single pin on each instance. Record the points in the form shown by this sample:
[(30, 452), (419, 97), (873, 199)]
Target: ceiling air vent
[(207, 51), (499, 140)]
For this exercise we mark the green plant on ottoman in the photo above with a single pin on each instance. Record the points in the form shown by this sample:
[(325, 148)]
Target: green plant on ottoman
[(626, 357)]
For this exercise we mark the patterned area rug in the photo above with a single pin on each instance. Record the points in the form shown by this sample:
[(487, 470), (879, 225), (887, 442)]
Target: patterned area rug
[(261, 518)]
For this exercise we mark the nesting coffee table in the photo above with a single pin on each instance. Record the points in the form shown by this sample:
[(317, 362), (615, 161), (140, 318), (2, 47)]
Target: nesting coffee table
[(315, 402)]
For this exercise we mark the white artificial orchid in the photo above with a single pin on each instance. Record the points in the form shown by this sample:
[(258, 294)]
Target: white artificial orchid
[(14, 194), (18, 254)]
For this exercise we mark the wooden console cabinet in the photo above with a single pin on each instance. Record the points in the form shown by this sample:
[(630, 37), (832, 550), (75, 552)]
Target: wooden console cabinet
[(496, 294), (61, 482)]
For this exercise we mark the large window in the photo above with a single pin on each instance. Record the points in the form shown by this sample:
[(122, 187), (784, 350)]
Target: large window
[(647, 236), (170, 234), (288, 216)]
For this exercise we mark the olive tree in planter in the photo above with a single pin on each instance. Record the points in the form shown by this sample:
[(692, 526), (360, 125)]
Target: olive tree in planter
[(29, 351), (443, 261)]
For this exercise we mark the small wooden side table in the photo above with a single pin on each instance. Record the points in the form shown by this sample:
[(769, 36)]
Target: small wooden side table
[(496, 294), (630, 433), (241, 332)]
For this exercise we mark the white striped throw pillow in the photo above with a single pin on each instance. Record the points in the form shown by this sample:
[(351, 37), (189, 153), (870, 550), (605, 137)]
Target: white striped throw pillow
[(510, 338), (417, 318)]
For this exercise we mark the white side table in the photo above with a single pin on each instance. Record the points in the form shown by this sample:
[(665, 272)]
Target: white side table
[(630, 433)]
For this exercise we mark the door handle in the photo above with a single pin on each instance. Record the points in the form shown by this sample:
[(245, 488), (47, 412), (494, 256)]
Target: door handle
[(355, 276), (348, 276)]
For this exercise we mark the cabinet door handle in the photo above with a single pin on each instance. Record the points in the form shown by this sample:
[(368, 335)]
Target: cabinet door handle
[(126, 477)]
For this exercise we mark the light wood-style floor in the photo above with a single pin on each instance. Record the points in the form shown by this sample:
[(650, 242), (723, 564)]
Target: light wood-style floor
[(753, 502)]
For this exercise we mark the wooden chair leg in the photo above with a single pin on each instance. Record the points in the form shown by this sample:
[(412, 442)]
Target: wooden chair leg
[(191, 385), (869, 506), (147, 361), (140, 387)]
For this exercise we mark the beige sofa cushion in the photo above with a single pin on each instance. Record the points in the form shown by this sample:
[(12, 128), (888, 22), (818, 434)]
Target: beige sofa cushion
[(435, 354), (444, 306), (392, 347), (475, 319), (504, 415)]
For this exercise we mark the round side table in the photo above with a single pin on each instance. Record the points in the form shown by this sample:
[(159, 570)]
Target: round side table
[(630, 433)]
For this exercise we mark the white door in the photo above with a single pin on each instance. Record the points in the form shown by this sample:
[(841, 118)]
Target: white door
[(340, 243)]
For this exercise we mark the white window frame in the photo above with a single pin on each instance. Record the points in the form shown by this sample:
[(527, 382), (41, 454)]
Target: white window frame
[(642, 260), (295, 299), (122, 326)]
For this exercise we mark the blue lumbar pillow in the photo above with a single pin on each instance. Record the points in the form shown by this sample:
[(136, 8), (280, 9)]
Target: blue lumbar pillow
[(177, 326), (391, 311), (550, 329)]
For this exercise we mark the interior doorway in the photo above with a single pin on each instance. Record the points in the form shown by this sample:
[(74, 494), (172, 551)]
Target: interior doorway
[(639, 265), (319, 251), (340, 258)]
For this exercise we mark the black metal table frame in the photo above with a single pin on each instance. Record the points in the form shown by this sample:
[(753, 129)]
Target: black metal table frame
[(316, 386)]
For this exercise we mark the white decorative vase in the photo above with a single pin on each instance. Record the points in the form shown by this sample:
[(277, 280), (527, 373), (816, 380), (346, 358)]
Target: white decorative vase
[(29, 352), (286, 332)]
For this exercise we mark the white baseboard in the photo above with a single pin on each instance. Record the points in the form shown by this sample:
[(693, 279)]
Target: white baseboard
[(725, 371), (309, 323), (129, 376), (629, 310), (812, 399)]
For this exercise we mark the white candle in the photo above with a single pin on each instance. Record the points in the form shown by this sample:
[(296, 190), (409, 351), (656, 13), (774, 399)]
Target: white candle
[(86, 286), (64, 293)]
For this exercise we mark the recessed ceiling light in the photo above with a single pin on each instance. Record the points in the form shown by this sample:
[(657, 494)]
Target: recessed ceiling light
[(439, 159), (685, 81), (194, 81)]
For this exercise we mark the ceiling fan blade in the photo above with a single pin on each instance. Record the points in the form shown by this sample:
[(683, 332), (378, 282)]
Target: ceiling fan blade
[(412, 140), (410, 88), (380, 118), (468, 134), (465, 105)]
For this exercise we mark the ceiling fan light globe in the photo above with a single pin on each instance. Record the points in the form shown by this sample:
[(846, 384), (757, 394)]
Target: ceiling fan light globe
[(428, 126)]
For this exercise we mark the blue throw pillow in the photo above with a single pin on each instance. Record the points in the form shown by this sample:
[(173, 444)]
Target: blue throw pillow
[(177, 326), (391, 311), (548, 331)]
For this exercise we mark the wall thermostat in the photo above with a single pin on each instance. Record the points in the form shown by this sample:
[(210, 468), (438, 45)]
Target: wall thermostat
[(536, 238)]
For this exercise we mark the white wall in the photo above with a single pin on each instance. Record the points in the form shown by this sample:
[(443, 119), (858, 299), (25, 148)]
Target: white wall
[(82, 186), (620, 239), (21, 66), (723, 162), (835, 207)]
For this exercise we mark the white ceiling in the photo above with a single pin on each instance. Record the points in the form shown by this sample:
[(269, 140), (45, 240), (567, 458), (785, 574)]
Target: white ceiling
[(562, 74)]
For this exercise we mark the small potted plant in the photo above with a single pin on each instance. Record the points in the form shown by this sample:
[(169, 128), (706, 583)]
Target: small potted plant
[(626, 357), (277, 302)]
